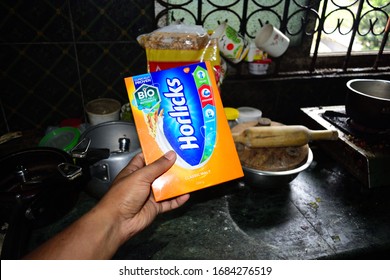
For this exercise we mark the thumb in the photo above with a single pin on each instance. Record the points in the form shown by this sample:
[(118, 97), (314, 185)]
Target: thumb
[(158, 167)]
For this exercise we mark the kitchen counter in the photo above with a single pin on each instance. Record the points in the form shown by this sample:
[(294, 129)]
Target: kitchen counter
[(325, 213)]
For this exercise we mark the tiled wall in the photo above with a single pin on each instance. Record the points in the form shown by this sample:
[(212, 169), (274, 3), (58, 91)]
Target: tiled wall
[(56, 55)]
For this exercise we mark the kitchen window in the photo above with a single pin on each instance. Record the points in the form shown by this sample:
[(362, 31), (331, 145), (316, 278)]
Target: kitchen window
[(327, 36)]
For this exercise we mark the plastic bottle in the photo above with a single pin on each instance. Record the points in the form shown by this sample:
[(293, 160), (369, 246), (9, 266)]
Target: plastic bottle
[(232, 115)]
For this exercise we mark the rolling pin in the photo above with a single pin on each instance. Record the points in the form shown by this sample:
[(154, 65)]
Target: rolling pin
[(281, 136)]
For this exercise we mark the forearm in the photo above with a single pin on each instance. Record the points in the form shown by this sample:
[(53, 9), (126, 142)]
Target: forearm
[(96, 235)]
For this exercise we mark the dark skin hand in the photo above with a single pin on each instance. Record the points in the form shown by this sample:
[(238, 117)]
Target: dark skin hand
[(125, 210)]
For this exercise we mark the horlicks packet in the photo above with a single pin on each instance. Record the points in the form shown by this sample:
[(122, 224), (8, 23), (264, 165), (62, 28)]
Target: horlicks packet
[(180, 109)]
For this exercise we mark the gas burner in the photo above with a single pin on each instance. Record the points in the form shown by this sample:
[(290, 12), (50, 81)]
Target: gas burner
[(365, 129), (355, 129), (365, 152)]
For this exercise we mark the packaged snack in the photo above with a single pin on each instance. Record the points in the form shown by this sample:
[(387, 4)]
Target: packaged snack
[(181, 44), (180, 109)]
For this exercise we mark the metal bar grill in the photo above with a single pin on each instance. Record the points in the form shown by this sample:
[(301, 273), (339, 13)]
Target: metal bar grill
[(354, 31), (303, 21)]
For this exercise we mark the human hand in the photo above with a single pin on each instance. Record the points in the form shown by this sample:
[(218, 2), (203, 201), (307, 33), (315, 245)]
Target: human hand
[(130, 200), (126, 209)]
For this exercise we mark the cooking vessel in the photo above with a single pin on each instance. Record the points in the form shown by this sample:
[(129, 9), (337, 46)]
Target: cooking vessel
[(262, 179), (121, 139), (37, 187), (368, 102)]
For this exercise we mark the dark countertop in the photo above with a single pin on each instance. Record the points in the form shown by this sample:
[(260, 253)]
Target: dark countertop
[(323, 214)]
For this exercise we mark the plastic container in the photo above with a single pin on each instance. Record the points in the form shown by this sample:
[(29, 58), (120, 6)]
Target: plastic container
[(64, 138), (259, 67), (255, 54), (248, 114), (103, 110), (126, 114)]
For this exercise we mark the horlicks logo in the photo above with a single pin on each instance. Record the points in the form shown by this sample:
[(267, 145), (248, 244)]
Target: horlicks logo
[(181, 113)]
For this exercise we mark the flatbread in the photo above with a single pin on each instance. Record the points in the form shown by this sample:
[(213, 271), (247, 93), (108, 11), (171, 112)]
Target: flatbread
[(270, 159)]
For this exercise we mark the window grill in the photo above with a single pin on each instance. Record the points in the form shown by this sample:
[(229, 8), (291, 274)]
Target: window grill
[(305, 22)]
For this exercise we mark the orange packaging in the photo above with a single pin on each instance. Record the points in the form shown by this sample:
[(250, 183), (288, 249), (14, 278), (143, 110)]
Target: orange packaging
[(180, 109)]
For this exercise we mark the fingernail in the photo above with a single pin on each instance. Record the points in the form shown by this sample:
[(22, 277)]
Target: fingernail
[(170, 155)]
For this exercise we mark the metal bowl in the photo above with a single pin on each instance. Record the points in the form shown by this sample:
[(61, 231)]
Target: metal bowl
[(258, 178)]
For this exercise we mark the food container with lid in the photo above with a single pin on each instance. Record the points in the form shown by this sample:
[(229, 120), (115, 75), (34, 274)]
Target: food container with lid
[(103, 110), (248, 114), (63, 138)]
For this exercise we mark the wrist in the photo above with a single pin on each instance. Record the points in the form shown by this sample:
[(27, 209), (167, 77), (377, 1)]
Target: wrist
[(104, 229)]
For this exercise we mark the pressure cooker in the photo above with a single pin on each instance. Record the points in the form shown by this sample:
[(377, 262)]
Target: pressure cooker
[(121, 139), (40, 185), (37, 187)]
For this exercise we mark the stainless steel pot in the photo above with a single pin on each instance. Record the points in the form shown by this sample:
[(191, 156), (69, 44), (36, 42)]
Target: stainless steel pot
[(121, 138), (368, 102)]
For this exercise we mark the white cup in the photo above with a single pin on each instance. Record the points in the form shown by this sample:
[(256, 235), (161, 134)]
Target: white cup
[(272, 40), (102, 110)]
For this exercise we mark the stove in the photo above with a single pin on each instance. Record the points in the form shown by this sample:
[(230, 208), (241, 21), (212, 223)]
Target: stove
[(364, 151)]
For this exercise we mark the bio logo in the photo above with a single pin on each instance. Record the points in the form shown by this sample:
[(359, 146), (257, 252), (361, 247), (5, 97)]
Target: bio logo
[(147, 97)]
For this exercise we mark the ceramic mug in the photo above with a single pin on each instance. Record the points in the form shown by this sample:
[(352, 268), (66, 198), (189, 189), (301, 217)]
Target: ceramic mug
[(232, 45), (272, 40)]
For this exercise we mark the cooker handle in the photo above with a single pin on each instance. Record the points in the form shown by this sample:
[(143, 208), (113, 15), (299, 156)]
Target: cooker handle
[(87, 155), (81, 149), (70, 171)]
